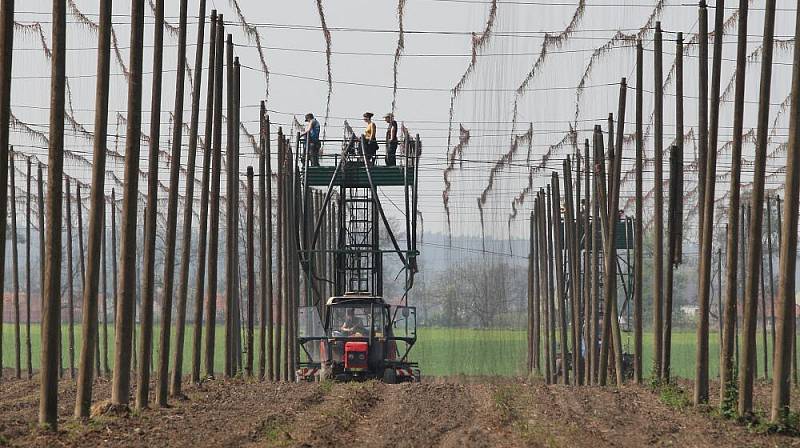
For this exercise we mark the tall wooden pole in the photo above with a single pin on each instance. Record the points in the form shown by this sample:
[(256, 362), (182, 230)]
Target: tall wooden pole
[(48, 402), (213, 237), (675, 214), (183, 279), (785, 318), (700, 391), (128, 244), (150, 224), (764, 342), (771, 273), (616, 336), (162, 386), (729, 333), (590, 341), (28, 350), (233, 208), (114, 251), (543, 284), (560, 278), (571, 250), (658, 206), (42, 243), (6, 57), (279, 328), (265, 190), (83, 400), (106, 367), (530, 334), (70, 287), (747, 369), (202, 238), (551, 284), (251, 275), (638, 253), (15, 268)]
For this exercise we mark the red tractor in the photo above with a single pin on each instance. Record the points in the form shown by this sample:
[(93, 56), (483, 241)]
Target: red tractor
[(362, 338), (347, 331)]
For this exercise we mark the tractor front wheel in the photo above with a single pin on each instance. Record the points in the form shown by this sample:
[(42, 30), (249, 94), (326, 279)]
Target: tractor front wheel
[(389, 376)]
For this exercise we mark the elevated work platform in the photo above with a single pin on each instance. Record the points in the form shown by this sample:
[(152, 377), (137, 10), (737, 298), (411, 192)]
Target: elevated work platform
[(353, 175)]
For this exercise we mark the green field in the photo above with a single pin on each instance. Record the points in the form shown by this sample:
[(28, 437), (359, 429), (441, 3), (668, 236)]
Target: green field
[(439, 351)]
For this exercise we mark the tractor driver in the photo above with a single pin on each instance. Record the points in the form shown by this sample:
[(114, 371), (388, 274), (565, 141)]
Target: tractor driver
[(352, 325)]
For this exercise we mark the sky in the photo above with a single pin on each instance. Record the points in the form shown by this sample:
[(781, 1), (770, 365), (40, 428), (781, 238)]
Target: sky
[(551, 107)]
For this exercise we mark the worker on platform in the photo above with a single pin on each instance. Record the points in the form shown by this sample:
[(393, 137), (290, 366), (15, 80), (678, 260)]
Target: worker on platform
[(311, 134), (391, 140), (371, 143)]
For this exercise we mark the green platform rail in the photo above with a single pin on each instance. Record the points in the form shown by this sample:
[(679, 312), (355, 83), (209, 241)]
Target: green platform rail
[(355, 176)]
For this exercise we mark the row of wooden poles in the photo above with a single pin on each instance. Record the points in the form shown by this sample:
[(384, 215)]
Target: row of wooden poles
[(277, 304), (581, 295)]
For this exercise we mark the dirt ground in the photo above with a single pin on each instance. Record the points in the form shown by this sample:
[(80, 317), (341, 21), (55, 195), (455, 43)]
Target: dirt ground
[(452, 413)]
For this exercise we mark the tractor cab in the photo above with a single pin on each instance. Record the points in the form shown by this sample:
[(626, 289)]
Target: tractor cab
[(361, 337)]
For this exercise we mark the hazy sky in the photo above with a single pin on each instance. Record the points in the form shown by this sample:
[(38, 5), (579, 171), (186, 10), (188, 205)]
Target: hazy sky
[(364, 36)]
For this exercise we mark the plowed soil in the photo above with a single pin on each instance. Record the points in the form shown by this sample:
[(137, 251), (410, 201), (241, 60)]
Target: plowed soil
[(449, 413)]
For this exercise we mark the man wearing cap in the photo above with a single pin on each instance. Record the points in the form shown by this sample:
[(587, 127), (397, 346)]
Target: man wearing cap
[(370, 138), (312, 139), (391, 140)]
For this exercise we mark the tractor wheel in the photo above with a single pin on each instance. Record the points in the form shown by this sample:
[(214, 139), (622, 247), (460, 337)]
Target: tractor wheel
[(389, 376)]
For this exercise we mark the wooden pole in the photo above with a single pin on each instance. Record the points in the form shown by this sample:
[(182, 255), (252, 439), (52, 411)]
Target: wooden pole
[(183, 279), (658, 207), (15, 268), (571, 250), (771, 273), (531, 330), (764, 342), (613, 216), (6, 57), (785, 318), (213, 237), (560, 278), (106, 367), (588, 336), (48, 401), (202, 238), (729, 332), (675, 214), (114, 252), (162, 386), (638, 253), (70, 288), (747, 369), (596, 250), (251, 274), (675, 166), (40, 204), (543, 283), (83, 400), (150, 224), (28, 349), (700, 391), (233, 208), (279, 257), (267, 299)]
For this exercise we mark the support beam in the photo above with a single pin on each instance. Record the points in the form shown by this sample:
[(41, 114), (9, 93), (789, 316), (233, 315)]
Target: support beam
[(747, 365), (186, 246), (51, 319), (91, 277), (729, 331)]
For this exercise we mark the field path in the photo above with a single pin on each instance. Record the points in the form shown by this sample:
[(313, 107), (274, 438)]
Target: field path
[(465, 412)]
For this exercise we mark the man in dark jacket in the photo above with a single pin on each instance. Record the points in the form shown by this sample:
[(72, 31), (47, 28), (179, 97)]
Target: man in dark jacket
[(391, 140)]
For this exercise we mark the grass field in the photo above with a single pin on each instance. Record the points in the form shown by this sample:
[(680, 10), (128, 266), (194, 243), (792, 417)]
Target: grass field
[(439, 351)]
